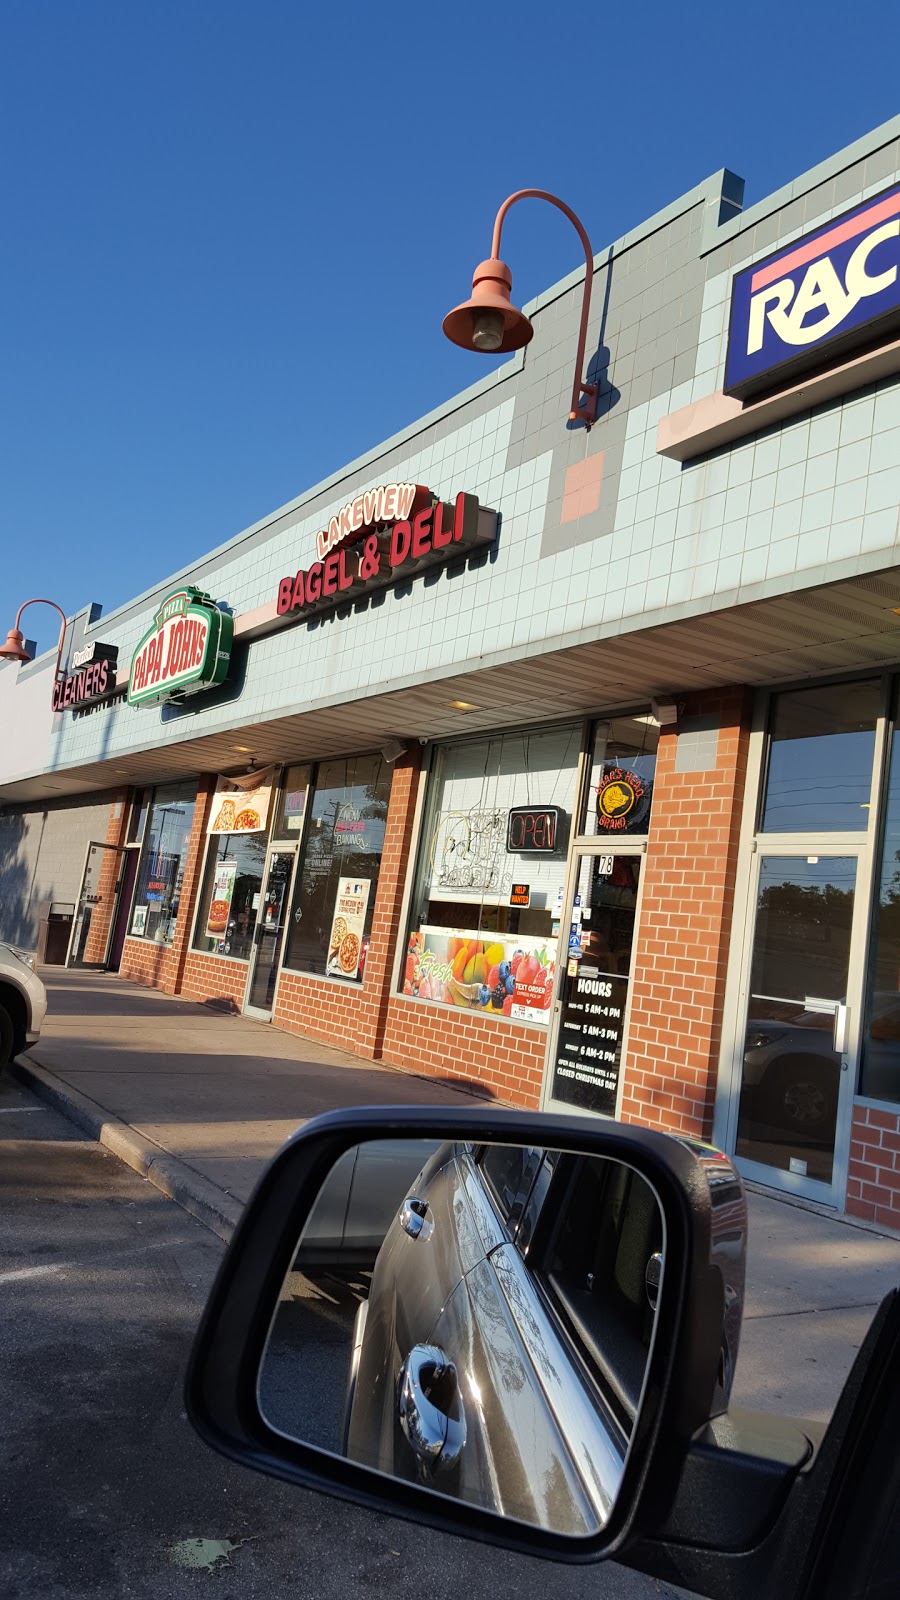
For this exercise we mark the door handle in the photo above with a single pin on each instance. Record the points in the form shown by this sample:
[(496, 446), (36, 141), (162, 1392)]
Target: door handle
[(430, 1407), (414, 1220), (841, 1020)]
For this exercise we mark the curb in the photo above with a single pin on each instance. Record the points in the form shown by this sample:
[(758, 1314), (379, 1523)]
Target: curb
[(214, 1207)]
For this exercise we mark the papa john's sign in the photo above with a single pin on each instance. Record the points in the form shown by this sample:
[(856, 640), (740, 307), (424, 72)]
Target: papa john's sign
[(187, 649), (837, 288), (400, 529)]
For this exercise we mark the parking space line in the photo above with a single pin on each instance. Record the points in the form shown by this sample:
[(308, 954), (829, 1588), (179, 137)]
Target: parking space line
[(32, 1272)]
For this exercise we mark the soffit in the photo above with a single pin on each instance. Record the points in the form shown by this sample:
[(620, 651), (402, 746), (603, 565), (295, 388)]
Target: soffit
[(838, 627)]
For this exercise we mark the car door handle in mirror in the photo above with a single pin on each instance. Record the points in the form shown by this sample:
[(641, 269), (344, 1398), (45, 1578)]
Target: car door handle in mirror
[(414, 1218), (430, 1406)]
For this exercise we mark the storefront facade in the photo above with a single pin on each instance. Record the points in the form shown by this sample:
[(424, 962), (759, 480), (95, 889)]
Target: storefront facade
[(558, 763)]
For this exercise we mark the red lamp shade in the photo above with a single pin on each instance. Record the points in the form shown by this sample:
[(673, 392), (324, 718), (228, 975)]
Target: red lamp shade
[(14, 648), (489, 322)]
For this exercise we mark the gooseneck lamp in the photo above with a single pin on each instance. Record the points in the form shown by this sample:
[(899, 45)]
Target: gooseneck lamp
[(489, 321), (14, 648)]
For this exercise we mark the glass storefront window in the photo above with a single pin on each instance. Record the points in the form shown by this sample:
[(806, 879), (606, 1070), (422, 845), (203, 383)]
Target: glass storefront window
[(167, 835), (822, 744), (334, 898), (880, 1073), (291, 813), (799, 970), (229, 902), (623, 766), (492, 863)]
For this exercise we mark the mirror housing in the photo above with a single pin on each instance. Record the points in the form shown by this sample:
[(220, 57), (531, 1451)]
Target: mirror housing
[(691, 1362)]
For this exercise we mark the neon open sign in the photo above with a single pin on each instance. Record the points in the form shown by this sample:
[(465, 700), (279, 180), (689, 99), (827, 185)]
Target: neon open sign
[(532, 830)]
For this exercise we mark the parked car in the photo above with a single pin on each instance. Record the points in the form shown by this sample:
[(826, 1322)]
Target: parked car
[(358, 1202), (23, 1002), (791, 1072), (791, 1076)]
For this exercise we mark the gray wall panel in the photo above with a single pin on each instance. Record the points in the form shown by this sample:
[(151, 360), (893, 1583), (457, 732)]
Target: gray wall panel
[(42, 850)]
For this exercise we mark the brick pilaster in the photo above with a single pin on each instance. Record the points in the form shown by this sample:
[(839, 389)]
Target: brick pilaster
[(105, 888), (685, 925)]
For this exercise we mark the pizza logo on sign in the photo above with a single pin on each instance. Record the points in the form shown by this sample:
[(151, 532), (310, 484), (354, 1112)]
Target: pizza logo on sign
[(187, 649), (622, 799)]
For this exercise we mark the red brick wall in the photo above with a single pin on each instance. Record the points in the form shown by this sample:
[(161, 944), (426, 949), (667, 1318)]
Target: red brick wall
[(214, 978), (354, 1016), (102, 912), (146, 962), (682, 942), (162, 966), (500, 1058), (873, 1186)]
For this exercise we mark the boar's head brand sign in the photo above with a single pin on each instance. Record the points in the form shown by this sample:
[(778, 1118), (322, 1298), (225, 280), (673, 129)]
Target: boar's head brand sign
[(816, 299), (623, 800), (187, 649), (388, 533)]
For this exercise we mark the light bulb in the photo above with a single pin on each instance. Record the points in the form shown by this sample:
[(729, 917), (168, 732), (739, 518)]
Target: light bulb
[(487, 330)]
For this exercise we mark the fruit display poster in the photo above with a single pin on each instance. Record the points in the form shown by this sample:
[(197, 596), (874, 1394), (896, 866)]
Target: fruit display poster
[(345, 943), (241, 805), (503, 974), (220, 903)]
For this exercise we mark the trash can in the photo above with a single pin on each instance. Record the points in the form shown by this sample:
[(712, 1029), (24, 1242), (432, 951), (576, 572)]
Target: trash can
[(54, 932)]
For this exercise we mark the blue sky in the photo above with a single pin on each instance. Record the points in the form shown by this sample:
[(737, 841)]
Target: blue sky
[(232, 227)]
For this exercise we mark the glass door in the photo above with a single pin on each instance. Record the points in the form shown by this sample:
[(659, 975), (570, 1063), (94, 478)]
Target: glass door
[(268, 937), (98, 899), (584, 1058), (800, 1022)]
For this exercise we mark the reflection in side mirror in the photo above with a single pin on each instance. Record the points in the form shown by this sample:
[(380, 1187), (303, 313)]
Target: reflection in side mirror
[(476, 1319)]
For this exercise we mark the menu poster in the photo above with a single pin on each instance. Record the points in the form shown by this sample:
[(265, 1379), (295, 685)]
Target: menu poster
[(220, 904), (345, 943), (589, 1042), (241, 805)]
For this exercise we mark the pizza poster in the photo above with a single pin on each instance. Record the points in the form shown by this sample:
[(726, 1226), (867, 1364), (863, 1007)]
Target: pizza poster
[(345, 943), (241, 805), (220, 904)]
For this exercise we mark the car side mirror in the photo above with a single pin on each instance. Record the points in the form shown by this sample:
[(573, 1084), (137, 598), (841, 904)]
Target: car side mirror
[(502, 1323)]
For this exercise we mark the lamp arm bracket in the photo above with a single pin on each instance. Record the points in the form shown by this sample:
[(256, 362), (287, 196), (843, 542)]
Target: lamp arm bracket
[(578, 413)]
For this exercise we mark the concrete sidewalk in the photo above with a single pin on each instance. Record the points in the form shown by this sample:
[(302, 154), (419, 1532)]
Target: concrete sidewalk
[(198, 1102)]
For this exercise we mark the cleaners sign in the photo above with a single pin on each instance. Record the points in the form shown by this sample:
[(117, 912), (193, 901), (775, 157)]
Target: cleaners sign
[(187, 649), (95, 677), (815, 299), (388, 533)]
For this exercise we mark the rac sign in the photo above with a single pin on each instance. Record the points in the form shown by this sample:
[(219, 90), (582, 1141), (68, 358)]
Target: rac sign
[(814, 301)]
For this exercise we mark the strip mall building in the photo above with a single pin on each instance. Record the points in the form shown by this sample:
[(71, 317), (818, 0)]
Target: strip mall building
[(557, 761)]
